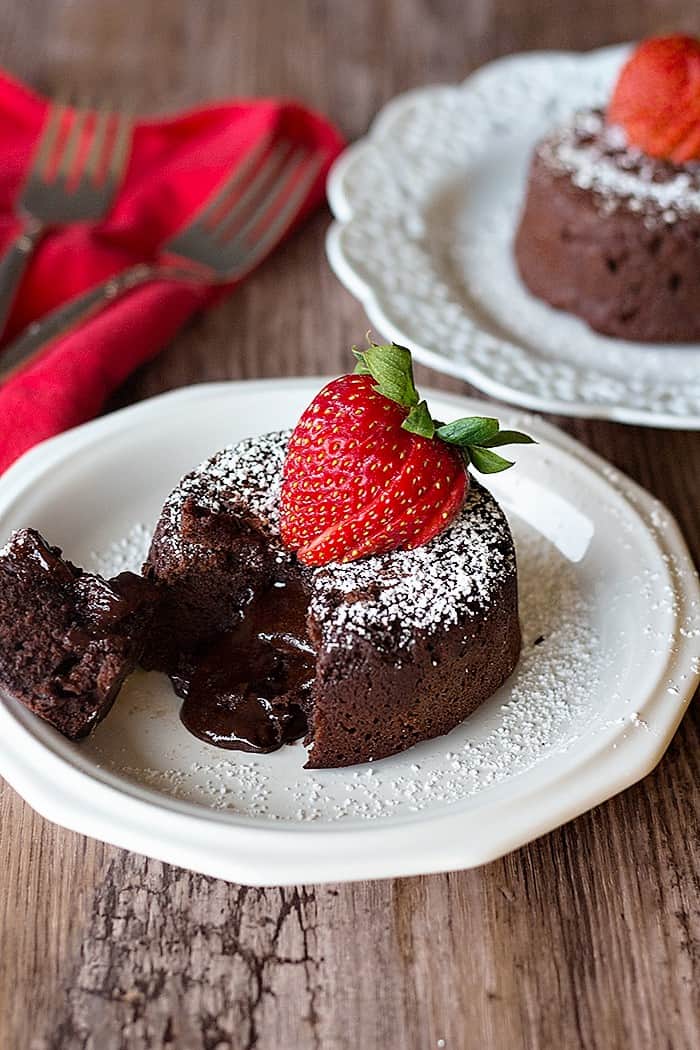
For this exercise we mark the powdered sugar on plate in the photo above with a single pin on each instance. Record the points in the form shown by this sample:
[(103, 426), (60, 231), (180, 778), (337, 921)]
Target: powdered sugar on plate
[(541, 710), (127, 553)]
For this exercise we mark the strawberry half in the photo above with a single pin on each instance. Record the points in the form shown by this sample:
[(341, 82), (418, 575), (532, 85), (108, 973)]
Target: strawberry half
[(657, 98), (368, 470)]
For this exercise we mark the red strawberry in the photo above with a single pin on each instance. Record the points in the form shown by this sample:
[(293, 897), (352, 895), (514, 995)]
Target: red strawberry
[(368, 470), (657, 98)]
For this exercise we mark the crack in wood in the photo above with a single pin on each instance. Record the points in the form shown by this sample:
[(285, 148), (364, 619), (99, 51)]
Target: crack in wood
[(174, 958)]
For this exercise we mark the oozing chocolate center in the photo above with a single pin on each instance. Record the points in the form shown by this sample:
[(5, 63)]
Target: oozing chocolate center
[(250, 685)]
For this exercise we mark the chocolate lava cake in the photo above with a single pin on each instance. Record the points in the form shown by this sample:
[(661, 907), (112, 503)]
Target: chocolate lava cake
[(612, 234), (68, 639), (363, 659)]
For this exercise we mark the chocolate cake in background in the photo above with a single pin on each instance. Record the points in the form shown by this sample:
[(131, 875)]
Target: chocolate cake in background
[(613, 235), (393, 649), (68, 639)]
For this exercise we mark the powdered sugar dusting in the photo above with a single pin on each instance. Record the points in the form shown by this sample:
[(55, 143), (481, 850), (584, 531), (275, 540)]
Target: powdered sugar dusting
[(460, 571), (459, 574), (246, 476), (597, 158)]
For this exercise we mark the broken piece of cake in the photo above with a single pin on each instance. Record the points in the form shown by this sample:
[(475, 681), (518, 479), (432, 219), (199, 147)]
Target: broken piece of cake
[(68, 639)]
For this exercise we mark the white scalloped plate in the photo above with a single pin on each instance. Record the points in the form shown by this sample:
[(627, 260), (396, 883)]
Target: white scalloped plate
[(426, 208), (610, 609)]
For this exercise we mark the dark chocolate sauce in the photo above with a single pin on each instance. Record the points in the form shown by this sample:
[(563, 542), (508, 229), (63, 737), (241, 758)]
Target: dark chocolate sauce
[(107, 603), (37, 553), (249, 686)]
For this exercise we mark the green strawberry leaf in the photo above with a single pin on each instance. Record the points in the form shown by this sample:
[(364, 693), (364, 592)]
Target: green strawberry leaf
[(361, 368), (508, 437), (487, 462), (390, 366), (473, 430), (475, 436), (419, 421)]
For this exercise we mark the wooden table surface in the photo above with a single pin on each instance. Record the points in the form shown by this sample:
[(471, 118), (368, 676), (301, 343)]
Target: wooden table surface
[(589, 937)]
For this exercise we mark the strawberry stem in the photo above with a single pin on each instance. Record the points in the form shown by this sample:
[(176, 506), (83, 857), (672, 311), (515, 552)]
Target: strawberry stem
[(419, 421), (391, 368)]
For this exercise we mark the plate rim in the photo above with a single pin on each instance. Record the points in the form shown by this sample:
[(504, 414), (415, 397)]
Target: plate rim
[(344, 213), (253, 852)]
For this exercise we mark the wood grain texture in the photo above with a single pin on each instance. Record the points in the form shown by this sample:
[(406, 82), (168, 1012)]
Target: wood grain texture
[(587, 938)]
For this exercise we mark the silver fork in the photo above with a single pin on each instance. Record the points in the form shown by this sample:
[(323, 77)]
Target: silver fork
[(228, 236), (56, 191)]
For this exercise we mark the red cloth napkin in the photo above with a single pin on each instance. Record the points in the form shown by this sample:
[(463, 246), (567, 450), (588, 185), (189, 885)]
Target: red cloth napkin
[(174, 165)]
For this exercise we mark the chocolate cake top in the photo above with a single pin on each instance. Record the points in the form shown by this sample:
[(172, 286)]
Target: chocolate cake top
[(388, 597), (597, 157)]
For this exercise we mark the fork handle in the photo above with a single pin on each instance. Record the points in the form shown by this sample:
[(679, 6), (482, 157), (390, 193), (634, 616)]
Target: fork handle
[(13, 264), (64, 319)]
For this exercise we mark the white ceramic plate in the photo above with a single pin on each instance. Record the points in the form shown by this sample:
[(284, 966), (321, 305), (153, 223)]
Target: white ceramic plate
[(610, 610), (427, 206)]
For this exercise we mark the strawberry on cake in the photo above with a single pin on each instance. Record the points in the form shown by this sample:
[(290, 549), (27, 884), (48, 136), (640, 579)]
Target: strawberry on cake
[(610, 228)]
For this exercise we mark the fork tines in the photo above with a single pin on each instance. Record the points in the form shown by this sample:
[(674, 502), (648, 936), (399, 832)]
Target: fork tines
[(78, 163), (242, 215)]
